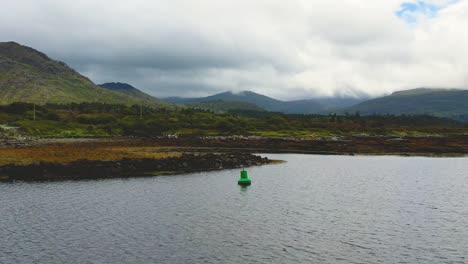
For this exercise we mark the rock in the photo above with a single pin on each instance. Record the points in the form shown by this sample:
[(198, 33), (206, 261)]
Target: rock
[(88, 169)]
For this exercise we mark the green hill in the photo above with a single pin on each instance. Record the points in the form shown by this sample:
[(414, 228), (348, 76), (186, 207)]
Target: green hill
[(222, 106), (247, 97), (27, 75), (131, 91), (422, 101), (309, 106)]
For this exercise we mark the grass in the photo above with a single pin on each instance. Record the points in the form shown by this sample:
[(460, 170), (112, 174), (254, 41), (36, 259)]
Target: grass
[(283, 133), (194, 131), (65, 153), (30, 77), (50, 128)]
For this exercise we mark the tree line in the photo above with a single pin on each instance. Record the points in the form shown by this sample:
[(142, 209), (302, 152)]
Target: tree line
[(98, 119)]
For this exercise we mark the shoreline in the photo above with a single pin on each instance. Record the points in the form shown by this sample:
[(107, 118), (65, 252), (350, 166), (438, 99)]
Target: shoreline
[(96, 158), (129, 168), (433, 146)]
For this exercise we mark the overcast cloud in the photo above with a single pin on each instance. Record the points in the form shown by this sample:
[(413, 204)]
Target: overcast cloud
[(286, 49)]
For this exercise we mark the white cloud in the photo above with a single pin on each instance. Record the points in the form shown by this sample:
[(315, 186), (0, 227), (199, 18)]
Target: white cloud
[(287, 49)]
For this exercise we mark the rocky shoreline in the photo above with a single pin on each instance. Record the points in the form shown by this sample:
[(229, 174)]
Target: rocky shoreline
[(94, 158), (455, 145), (88, 169), (438, 146), (7, 140)]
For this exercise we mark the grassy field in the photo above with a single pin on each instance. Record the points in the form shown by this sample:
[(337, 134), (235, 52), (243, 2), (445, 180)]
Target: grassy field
[(104, 120), (65, 153)]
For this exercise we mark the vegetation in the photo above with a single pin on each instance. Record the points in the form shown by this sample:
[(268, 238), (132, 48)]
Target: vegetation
[(65, 153), (97, 119), (423, 101), (221, 106), (27, 75), (311, 106), (127, 89)]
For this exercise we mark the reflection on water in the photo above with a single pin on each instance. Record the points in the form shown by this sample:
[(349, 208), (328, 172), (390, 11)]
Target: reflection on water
[(313, 209), (244, 188)]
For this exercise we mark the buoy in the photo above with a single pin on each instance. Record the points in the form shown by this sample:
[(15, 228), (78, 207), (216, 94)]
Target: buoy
[(244, 179)]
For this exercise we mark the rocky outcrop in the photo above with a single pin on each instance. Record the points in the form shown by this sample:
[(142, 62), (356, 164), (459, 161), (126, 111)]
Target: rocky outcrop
[(86, 169), (452, 145), (8, 140)]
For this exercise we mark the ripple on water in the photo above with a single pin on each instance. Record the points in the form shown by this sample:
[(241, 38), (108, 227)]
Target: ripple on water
[(314, 209)]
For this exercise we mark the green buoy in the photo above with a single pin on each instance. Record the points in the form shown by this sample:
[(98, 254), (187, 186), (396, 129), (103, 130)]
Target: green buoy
[(244, 179)]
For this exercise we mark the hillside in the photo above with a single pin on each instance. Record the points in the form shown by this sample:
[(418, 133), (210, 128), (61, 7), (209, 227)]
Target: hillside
[(248, 97), (27, 75), (221, 106), (319, 105), (438, 102), (311, 106), (131, 91)]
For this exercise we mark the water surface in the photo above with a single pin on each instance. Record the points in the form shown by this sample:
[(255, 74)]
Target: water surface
[(313, 209)]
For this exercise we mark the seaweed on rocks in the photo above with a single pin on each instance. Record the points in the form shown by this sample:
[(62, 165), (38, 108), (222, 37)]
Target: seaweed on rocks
[(88, 169)]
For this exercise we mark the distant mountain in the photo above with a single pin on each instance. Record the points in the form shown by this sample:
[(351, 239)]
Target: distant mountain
[(249, 97), (324, 105), (311, 106), (131, 91), (179, 100), (224, 106), (27, 75), (437, 102)]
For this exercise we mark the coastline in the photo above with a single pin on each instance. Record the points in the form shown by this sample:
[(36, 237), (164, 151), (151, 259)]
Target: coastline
[(96, 158), (126, 168)]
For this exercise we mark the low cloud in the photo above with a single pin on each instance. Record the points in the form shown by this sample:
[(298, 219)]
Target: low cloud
[(288, 49)]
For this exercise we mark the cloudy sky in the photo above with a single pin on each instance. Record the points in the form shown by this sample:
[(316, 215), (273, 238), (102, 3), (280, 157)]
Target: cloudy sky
[(286, 49)]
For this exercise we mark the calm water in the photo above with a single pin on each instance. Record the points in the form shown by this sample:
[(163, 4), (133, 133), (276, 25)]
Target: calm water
[(314, 209)]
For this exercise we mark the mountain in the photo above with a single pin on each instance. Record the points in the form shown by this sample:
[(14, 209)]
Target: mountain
[(451, 103), (27, 75), (224, 106), (311, 106), (248, 97), (324, 105), (131, 91)]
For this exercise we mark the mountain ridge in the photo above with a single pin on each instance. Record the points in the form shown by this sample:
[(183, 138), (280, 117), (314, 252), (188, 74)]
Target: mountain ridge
[(451, 103), (28, 75), (305, 106), (129, 90)]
